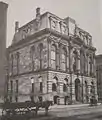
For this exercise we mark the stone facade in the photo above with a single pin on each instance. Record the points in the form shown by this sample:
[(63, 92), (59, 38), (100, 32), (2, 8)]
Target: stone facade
[(60, 59)]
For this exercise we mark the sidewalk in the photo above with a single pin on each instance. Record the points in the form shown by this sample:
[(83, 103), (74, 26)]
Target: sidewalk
[(70, 106), (77, 109)]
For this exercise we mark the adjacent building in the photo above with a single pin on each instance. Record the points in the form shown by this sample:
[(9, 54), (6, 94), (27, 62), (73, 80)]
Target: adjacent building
[(99, 76), (3, 24), (51, 58)]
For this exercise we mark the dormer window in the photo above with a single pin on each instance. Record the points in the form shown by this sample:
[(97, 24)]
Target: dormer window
[(53, 24), (63, 28)]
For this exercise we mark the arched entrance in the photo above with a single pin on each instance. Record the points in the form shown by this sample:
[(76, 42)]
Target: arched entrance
[(55, 99), (78, 90)]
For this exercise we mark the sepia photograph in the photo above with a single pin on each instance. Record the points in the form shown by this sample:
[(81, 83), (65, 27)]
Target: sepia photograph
[(50, 60)]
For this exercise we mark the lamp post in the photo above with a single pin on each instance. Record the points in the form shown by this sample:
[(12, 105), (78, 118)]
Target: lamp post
[(32, 82)]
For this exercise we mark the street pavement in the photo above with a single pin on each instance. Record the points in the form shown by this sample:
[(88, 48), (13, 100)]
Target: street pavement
[(72, 112)]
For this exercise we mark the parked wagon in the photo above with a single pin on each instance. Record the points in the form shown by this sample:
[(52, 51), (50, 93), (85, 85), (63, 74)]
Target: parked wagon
[(27, 109)]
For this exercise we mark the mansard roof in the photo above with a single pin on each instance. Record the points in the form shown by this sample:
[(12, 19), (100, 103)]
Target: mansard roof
[(31, 26)]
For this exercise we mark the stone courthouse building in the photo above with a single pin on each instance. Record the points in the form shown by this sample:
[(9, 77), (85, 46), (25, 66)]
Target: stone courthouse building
[(51, 59)]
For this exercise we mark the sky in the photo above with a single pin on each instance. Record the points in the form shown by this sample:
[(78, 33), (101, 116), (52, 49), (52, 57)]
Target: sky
[(87, 14)]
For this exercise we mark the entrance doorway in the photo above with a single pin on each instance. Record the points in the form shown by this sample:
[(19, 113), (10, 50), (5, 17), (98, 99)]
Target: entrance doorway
[(55, 99), (66, 98), (78, 90)]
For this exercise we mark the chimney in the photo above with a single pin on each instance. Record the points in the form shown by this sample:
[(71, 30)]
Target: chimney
[(37, 14), (38, 11), (16, 26)]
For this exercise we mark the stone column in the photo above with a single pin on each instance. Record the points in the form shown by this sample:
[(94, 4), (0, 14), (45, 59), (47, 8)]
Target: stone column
[(49, 86), (96, 90), (73, 92), (89, 93)]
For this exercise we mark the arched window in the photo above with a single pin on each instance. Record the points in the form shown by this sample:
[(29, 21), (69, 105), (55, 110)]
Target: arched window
[(75, 60), (65, 85), (41, 84), (63, 59), (83, 61), (54, 84), (78, 90), (40, 53), (54, 87), (53, 57)]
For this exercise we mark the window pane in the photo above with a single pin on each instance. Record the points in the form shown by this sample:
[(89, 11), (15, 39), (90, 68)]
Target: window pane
[(63, 56), (53, 24), (53, 55), (52, 64), (63, 66), (54, 87)]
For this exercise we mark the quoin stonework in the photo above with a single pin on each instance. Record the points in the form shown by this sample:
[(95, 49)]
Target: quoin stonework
[(56, 56)]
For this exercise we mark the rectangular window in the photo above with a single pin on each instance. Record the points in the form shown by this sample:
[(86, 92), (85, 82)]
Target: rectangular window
[(53, 55)]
